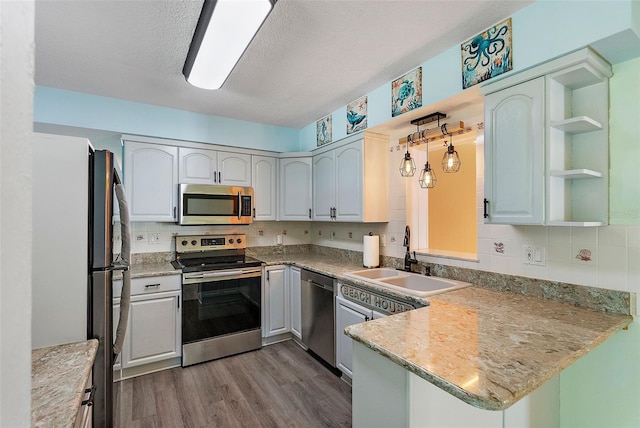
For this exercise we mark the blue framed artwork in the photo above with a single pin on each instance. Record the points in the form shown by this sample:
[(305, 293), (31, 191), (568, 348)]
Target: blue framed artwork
[(357, 115), (487, 55), (406, 92), (323, 130)]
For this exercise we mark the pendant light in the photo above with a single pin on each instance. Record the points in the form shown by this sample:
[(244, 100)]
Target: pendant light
[(408, 165), (427, 179), (450, 160)]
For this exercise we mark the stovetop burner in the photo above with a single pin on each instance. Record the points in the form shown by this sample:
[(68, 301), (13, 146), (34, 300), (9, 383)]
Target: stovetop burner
[(207, 253)]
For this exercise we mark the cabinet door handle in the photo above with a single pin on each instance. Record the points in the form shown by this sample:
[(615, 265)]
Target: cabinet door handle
[(152, 285), (486, 208), (178, 302), (175, 212), (254, 213), (268, 275), (89, 401), (309, 212), (219, 177)]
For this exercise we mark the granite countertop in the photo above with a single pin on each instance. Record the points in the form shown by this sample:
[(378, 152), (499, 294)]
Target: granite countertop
[(488, 348), (58, 378), (143, 270)]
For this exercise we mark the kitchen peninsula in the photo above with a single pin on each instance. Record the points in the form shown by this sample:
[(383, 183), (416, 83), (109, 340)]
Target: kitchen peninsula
[(479, 354)]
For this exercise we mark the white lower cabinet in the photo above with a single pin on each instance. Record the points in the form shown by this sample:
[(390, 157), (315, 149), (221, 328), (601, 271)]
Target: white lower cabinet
[(277, 315), (295, 290), (154, 329), (348, 313)]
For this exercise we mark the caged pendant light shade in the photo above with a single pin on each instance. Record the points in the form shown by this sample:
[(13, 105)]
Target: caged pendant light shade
[(451, 160), (427, 179), (408, 165)]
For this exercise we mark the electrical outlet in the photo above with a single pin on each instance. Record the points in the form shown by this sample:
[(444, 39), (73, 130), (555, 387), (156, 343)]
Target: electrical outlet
[(279, 239), (350, 235), (383, 240), (333, 235), (533, 255), (154, 238)]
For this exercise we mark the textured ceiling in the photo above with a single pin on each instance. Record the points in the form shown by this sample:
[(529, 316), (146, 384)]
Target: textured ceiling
[(309, 58)]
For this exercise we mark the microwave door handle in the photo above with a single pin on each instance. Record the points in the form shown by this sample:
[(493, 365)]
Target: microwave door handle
[(239, 205)]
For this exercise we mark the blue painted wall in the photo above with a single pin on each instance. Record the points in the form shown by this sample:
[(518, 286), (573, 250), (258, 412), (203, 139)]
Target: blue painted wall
[(544, 30), (60, 107)]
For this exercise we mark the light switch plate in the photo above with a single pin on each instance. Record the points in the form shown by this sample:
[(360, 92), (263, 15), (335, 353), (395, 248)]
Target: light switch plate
[(533, 255)]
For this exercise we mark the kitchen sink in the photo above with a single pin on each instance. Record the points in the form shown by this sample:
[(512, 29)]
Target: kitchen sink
[(376, 273), (407, 282)]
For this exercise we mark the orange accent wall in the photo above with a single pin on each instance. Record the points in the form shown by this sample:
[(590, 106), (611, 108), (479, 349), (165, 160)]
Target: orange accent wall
[(452, 203)]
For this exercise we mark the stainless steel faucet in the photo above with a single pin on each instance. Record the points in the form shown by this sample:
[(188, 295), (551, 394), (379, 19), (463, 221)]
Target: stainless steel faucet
[(408, 261)]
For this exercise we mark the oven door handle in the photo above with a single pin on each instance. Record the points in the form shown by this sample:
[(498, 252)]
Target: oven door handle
[(224, 274)]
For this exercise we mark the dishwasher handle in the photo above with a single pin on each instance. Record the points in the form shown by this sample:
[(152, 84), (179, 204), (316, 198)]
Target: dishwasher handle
[(326, 287)]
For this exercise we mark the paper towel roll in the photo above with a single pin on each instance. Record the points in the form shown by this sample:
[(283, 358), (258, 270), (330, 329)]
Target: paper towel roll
[(371, 251)]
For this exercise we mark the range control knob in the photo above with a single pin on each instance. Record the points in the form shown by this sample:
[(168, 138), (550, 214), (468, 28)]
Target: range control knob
[(194, 242), (230, 241), (239, 241), (184, 243)]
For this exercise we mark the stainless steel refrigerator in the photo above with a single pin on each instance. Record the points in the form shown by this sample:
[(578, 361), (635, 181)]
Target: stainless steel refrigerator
[(73, 206), (103, 176)]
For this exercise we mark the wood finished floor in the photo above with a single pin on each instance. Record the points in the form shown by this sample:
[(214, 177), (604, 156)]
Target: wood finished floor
[(279, 385)]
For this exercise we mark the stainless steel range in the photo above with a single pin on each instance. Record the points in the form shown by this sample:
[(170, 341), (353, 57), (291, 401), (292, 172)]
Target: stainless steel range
[(221, 295)]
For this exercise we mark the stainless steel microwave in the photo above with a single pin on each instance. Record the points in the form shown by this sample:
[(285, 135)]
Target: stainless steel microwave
[(202, 204)]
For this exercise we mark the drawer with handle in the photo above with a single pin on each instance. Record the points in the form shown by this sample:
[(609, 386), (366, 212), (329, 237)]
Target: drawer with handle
[(152, 284)]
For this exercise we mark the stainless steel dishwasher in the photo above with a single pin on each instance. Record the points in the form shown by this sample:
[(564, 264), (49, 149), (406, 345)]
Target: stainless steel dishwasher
[(318, 315)]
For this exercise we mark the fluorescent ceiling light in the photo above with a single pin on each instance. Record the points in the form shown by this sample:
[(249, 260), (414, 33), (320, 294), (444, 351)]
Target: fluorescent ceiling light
[(224, 30)]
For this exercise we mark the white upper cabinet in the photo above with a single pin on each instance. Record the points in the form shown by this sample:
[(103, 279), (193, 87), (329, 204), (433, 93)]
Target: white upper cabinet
[(264, 176), (151, 177), (295, 189), (547, 144), (324, 178), (350, 181), (234, 169), (514, 154), (200, 166)]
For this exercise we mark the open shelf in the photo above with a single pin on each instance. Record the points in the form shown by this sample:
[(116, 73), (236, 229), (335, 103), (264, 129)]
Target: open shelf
[(577, 223), (577, 125), (571, 174)]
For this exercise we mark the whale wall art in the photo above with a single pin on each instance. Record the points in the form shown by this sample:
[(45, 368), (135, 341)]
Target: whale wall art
[(357, 115), (406, 92)]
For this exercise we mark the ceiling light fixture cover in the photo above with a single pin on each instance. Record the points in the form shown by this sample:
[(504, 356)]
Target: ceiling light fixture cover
[(224, 30)]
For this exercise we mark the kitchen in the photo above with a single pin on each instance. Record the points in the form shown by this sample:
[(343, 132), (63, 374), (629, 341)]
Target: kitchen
[(615, 254)]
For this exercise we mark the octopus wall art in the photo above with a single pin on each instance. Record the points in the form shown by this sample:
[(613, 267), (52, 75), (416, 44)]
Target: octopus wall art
[(487, 55)]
